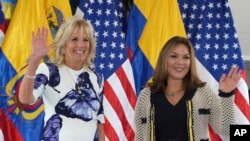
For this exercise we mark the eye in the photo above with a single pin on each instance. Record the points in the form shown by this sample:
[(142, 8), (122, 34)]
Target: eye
[(75, 39), (86, 39), (173, 56), (186, 57)]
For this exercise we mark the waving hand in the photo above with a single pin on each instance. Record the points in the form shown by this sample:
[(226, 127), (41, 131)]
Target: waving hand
[(38, 43), (228, 82)]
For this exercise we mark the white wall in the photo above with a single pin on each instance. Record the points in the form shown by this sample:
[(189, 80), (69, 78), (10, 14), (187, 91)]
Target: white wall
[(241, 14)]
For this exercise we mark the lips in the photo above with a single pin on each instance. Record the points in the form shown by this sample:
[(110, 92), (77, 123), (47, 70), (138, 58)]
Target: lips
[(79, 51), (179, 69)]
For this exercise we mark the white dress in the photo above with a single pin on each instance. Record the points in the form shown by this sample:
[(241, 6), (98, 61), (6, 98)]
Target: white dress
[(72, 101)]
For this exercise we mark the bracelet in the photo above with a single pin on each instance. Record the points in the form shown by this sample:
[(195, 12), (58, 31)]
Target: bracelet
[(30, 77)]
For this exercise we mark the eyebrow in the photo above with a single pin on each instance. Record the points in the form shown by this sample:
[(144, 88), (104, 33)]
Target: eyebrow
[(181, 54)]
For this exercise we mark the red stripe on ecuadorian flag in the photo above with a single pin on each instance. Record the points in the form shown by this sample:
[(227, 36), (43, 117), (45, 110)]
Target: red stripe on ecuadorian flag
[(10, 132)]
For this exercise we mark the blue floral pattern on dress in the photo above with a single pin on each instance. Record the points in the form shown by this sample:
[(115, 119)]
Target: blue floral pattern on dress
[(99, 78), (53, 74), (101, 111), (52, 128), (80, 104), (42, 79), (83, 102), (96, 138)]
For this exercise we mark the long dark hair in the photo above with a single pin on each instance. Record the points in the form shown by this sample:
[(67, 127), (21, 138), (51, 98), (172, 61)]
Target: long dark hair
[(159, 79)]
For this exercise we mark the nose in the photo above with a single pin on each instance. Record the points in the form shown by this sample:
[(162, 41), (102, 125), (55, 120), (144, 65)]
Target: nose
[(180, 60), (82, 43)]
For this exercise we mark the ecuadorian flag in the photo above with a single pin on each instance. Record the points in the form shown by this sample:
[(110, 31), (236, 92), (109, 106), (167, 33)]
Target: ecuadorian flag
[(151, 23), (24, 122)]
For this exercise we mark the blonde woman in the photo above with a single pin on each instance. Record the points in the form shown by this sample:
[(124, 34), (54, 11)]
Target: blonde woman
[(71, 91)]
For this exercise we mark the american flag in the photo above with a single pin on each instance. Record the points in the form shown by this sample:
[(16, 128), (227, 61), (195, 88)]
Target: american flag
[(210, 27), (107, 17)]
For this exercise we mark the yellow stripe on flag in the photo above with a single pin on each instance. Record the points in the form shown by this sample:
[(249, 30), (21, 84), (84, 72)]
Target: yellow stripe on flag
[(27, 17), (7, 9), (145, 6), (163, 22)]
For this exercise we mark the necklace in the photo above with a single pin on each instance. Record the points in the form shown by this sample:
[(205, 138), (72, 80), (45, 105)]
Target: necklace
[(170, 94), (77, 87), (173, 94)]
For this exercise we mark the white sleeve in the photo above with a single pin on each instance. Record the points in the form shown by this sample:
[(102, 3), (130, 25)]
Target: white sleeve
[(42, 78)]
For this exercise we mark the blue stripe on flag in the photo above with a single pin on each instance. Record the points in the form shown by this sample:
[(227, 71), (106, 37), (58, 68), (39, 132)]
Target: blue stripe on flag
[(141, 67), (23, 125), (7, 72)]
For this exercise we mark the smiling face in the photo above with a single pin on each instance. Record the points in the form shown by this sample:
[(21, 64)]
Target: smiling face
[(77, 49), (178, 62)]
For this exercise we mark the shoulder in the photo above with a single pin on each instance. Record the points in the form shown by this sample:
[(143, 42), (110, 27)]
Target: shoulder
[(50, 70), (143, 101), (48, 66), (99, 76), (43, 69), (145, 91), (144, 94), (206, 89), (42, 65)]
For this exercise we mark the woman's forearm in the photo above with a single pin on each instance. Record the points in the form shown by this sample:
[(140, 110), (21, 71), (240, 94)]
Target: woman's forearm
[(101, 132), (27, 84)]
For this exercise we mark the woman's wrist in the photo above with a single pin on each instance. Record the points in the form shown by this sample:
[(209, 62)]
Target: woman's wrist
[(226, 94), (31, 77), (33, 59), (33, 62)]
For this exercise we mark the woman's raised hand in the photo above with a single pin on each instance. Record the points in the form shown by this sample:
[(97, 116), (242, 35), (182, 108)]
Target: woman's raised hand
[(39, 43), (228, 82)]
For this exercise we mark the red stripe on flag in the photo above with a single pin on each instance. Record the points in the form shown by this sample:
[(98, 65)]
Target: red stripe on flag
[(126, 86), (130, 53), (213, 135), (242, 104), (111, 134), (26, 106), (9, 130), (244, 75), (5, 25), (113, 100)]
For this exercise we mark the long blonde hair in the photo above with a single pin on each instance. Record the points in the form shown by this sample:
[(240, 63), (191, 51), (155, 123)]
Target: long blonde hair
[(159, 79), (63, 36)]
